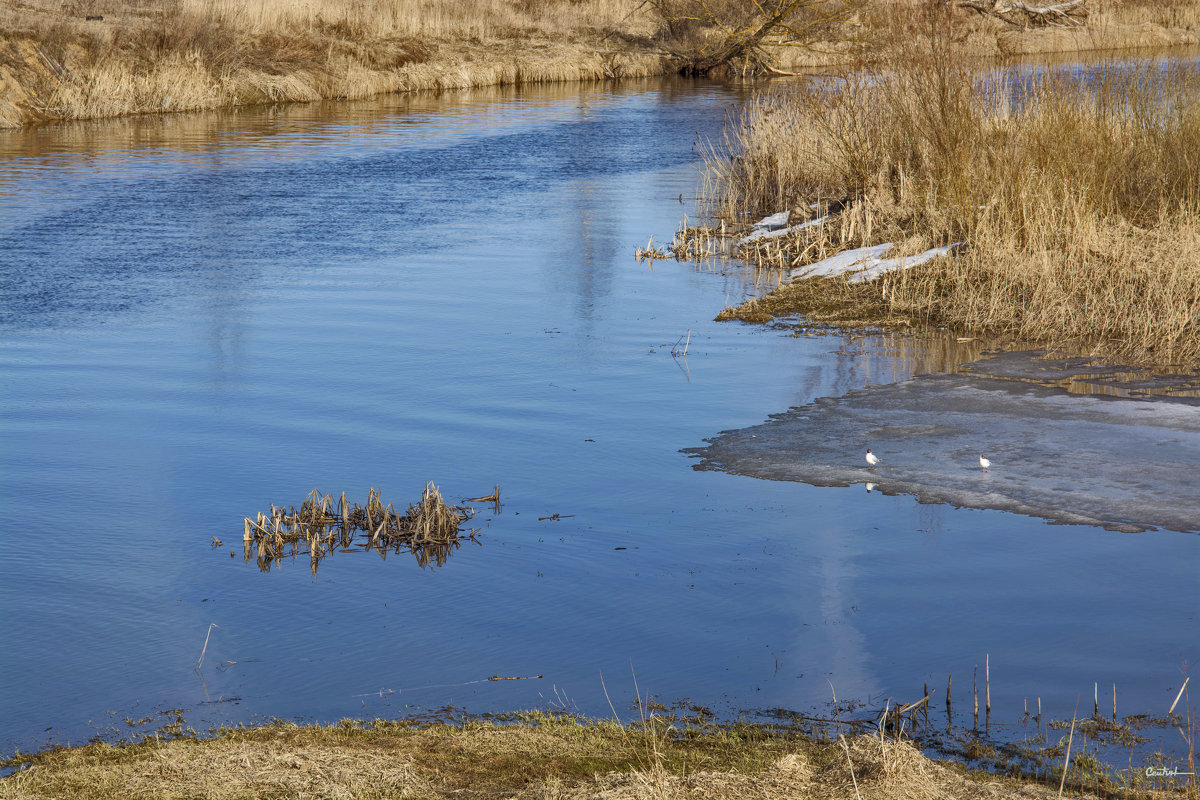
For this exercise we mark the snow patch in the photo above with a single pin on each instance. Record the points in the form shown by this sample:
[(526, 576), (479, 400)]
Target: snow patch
[(867, 262), (760, 234)]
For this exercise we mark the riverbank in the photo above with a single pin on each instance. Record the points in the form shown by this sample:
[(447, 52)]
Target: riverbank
[(91, 60), (529, 755), (88, 59), (1065, 203)]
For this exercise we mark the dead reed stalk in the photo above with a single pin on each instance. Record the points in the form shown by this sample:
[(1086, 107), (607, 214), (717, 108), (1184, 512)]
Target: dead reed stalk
[(1067, 757)]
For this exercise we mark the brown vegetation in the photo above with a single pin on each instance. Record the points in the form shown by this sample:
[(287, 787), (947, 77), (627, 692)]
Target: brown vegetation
[(101, 58), (57, 61), (875, 28), (707, 36), (532, 755), (321, 526), (1078, 199)]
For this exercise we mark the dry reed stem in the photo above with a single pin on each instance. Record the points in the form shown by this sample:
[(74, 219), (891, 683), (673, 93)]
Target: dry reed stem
[(1067, 757), (1177, 696)]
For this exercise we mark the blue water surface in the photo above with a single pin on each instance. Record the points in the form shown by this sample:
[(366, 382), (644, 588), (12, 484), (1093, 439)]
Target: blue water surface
[(204, 315)]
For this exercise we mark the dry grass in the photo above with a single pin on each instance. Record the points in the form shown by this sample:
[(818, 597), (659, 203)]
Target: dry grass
[(55, 63), (1079, 200), (1111, 24), (180, 55), (545, 757), (875, 29)]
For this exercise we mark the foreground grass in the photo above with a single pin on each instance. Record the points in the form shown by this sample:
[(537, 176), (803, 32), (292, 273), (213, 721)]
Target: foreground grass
[(533, 755), (1077, 200)]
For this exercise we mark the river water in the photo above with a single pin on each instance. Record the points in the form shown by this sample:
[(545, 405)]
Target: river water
[(204, 315)]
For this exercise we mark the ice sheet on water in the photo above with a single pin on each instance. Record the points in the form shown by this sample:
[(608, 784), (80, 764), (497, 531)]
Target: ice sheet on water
[(1125, 464)]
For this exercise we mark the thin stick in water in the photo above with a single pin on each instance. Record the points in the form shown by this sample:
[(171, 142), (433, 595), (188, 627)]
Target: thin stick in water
[(204, 650), (1171, 710), (1067, 759), (987, 685), (975, 692)]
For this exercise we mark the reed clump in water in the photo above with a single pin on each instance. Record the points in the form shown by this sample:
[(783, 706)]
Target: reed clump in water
[(429, 529), (1077, 195)]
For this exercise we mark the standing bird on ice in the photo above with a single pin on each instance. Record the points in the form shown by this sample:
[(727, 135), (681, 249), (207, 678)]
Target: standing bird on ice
[(983, 462), (872, 459)]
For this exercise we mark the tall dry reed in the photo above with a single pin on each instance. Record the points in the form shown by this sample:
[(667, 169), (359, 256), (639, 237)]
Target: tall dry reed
[(1077, 194)]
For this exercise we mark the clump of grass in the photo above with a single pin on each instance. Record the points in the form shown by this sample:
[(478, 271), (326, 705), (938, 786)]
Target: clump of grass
[(1078, 195), (433, 520), (321, 526)]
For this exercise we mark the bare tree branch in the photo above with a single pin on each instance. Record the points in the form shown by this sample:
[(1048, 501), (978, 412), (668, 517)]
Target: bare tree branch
[(708, 34)]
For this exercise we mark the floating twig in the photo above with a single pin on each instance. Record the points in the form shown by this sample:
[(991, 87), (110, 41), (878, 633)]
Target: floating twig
[(203, 650), (676, 351)]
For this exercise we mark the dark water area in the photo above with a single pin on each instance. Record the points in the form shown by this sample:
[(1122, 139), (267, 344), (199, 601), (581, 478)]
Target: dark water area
[(204, 315)]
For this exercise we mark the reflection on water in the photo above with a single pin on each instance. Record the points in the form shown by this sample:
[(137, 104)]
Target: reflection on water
[(1084, 375), (892, 356), (426, 554)]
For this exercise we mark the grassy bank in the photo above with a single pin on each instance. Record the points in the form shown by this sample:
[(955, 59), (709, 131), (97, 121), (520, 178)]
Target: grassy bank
[(91, 58), (531, 755), (101, 58), (1077, 200)]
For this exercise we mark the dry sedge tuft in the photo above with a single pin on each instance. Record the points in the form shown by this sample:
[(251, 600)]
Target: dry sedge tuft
[(320, 526)]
